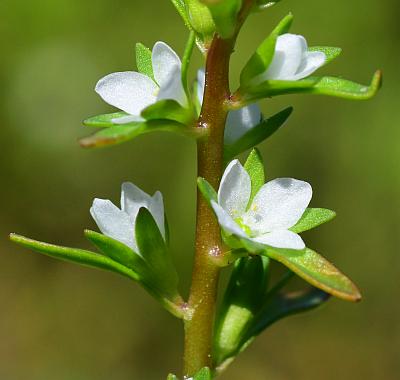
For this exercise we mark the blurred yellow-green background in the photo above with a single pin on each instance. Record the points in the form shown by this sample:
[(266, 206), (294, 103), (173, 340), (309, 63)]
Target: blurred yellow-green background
[(60, 321)]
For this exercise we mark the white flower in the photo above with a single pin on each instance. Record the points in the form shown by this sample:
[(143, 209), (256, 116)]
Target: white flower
[(292, 60), (120, 224), (238, 122), (132, 92), (276, 208)]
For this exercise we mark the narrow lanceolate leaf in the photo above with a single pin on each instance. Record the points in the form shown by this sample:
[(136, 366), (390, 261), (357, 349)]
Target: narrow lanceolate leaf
[(242, 300), (207, 190), (256, 135), (317, 271), (114, 249), (103, 120), (161, 275), (224, 13), (181, 8), (118, 134), (254, 165), (331, 86), (143, 60), (313, 217), (262, 58), (330, 52), (203, 374), (75, 255), (282, 304), (168, 110)]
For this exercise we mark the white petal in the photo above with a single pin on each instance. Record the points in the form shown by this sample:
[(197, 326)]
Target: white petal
[(157, 210), (226, 222), (281, 239), (241, 121), (278, 205), (164, 60), (173, 88), (234, 189), (201, 84), (127, 119), (113, 222), (288, 54), (311, 62), (129, 91), (133, 198)]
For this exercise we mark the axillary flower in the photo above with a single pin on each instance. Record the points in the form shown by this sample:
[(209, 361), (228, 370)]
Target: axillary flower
[(278, 206), (292, 60), (132, 92), (119, 224)]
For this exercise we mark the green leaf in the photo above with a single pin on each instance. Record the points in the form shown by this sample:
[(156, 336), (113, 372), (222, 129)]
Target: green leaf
[(161, 276), (262, 58), (330, 52), (257, 134), (116, 134), (181, 8), (313, 217), (114, 249), (143, 60), (207, 190), (254, 165), (103, 120), (282, 304), (75, 255), (242, 300), (331, 86), (172, 377), (120, 133), (224, 13), (200, 19), (203, 374), (168, 109), (317, 271)]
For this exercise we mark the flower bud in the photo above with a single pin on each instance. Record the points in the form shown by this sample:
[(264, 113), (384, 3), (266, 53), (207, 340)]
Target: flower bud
[(200, 19)]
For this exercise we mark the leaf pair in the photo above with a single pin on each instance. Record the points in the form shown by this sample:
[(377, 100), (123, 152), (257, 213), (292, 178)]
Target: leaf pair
[(152, 268)]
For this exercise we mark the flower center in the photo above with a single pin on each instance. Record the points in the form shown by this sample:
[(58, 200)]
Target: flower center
[(243, 226)]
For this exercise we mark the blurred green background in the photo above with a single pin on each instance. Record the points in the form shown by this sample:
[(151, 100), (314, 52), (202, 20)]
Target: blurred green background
[(60, 321)]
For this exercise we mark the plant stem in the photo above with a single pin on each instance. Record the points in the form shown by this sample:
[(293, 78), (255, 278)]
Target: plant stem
[(203, 292), (198, 330)]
